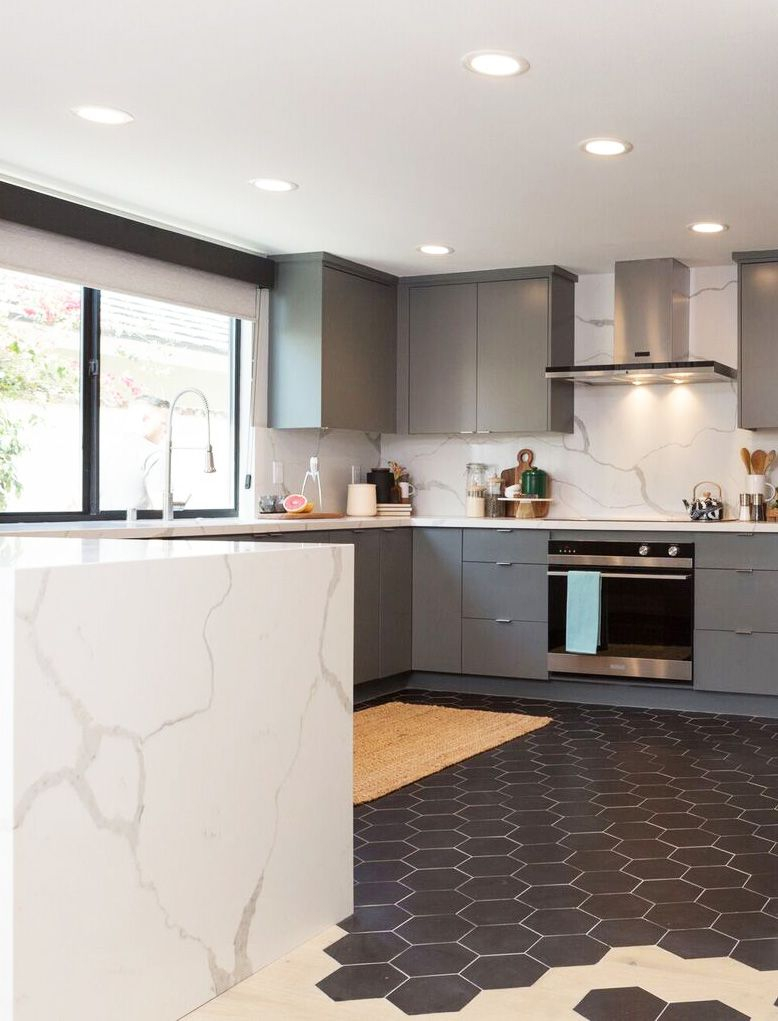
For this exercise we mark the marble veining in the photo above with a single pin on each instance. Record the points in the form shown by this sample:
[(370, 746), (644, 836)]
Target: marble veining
[(634, 452), (167, 779)]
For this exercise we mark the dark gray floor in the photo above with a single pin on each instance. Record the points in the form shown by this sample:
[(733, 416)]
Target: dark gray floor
[(610, 827)]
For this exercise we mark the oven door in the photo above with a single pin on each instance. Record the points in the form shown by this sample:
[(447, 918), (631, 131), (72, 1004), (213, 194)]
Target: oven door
[(646, 625)]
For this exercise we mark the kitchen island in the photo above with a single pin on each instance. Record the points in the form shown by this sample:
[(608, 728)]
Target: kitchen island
[(176, 768)]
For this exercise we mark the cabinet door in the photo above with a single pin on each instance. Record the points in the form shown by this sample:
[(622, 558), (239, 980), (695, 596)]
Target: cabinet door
[(500, 545), (513, 325), (359, 353), (442, 352), (395, 617), (740, 600), (758, 370), (437, 599), (367, 558), (505, 591)]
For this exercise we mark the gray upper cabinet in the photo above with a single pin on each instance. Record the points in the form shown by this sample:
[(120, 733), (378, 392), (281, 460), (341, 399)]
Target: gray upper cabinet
[(473, 349), (758, 340), (333, 355), (442, 323)]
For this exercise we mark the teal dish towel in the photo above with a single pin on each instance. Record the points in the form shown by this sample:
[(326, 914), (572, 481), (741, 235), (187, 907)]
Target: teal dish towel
[(583, 611)]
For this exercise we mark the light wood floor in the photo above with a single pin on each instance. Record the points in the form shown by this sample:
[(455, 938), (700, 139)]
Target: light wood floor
[(286, 990)]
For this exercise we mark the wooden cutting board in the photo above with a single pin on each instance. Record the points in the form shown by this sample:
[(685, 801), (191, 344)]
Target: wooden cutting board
[(512, 476)]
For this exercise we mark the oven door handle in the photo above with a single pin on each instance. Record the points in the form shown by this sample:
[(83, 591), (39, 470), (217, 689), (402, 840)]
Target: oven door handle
[(631, 576)]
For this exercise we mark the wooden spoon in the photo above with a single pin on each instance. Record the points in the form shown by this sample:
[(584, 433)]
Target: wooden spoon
[(758, 462), (769, 462), (745, 457)]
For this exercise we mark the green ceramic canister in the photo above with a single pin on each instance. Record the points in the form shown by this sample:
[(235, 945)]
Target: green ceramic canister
[(534, 482)]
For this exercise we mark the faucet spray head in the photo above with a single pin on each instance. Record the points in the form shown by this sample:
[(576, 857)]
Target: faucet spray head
[(210, 467)]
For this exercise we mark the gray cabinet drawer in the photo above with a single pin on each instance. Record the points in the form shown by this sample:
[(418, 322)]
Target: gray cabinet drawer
[(515, 649), (727, 661), (737, 549), (501, 545), (500, 591), (437, 599), (744, 599)]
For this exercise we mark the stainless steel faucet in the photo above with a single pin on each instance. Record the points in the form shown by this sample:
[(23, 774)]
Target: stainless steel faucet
[(167, 495)]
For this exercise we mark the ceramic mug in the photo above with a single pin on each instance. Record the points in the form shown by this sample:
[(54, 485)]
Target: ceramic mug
[(406, 489), (759, 484)]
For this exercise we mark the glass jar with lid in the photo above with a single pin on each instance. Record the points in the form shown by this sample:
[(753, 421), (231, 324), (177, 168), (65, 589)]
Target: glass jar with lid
[(493, 490), (475, 490)]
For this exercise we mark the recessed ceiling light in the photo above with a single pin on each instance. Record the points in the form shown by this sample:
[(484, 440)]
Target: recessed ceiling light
[(495, 63), (708, 227), (102, 114), (273, 184), (606, 146), (435, 249)]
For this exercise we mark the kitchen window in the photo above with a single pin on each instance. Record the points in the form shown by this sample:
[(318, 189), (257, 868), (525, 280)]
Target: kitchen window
[(86, 382)]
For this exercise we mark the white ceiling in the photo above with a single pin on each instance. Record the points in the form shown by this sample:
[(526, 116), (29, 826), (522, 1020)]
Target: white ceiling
[(365, 104)]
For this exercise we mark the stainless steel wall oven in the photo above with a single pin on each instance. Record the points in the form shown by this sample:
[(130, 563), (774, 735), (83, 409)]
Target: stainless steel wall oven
[(646, 609)]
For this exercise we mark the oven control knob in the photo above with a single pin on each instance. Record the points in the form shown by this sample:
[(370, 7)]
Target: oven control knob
[(672, 551), (643, 551)]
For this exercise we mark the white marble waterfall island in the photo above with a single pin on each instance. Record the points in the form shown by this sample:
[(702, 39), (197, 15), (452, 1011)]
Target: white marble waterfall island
[(175, 786)]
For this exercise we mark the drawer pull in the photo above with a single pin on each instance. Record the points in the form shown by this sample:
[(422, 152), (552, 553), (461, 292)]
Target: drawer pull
[(503, 563), (744, 570), (503, 620), (743, 631), (506, 531)]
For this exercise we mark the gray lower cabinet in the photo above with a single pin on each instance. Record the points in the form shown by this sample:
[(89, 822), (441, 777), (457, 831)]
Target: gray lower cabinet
[(758, 352), (395, 622), (737, 663), (437, 599), (333, 345), (367, 596), (442, 358), (505, 591), (505, 648)]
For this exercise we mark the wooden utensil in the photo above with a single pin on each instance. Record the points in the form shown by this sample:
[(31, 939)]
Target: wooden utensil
[(745, 457), (758, 461), (769, 462), (512, 476)]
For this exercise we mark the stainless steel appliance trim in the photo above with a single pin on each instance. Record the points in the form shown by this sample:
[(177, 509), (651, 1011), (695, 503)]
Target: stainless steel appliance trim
[(642, 576), (620, 666), (590, 560)]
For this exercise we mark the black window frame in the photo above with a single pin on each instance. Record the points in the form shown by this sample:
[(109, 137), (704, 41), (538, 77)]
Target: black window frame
[(90, 431)]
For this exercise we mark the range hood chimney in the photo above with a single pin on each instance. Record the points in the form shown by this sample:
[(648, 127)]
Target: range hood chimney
[(651, 331)]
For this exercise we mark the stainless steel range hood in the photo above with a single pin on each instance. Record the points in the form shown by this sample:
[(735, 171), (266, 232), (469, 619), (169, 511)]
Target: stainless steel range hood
[(651, 332)]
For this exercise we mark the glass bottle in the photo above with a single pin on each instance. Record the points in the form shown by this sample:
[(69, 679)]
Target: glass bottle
[(493, 505), (475, 490)]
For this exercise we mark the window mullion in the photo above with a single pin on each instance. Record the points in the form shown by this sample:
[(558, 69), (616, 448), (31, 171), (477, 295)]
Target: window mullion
[(90, 402)]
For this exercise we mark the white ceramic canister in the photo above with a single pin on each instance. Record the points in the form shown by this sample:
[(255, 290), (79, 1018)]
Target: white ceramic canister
[(361, 500)]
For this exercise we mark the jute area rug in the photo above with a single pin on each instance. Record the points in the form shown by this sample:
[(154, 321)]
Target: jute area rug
[(399, 742)]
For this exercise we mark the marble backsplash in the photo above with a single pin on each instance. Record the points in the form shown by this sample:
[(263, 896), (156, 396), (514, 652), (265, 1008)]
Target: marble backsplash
[(635, 451)]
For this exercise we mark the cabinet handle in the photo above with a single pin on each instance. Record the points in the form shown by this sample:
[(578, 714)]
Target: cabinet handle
[(745, 535), (743, 631), (744, 570), (503, 563), (503, 620), (507, 531)]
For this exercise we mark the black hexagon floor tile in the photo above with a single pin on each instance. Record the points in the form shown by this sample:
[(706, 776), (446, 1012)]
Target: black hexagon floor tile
[(630, 1003), (610, 828), (702, 1010)]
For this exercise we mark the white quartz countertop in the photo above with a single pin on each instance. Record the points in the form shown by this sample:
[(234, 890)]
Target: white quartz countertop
[(23, 552), (253, 526)]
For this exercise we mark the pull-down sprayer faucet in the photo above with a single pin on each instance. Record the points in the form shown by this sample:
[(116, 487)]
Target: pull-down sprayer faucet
[(167, 495)]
